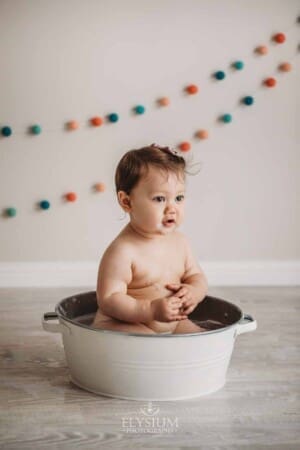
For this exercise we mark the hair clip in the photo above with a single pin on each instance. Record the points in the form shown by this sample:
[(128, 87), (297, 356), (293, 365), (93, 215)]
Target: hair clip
[(166, 149)]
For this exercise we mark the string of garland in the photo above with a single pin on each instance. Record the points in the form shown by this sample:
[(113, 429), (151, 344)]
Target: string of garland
[(191, 89), (184, 146)]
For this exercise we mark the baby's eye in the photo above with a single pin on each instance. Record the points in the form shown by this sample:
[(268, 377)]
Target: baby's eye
[(159, 198), (179, 198)]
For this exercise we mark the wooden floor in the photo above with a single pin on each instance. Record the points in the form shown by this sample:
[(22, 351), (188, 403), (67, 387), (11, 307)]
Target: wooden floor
[(258, 408)]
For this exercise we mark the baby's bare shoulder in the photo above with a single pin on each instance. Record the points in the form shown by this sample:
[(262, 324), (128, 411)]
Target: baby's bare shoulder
[(119, 249)]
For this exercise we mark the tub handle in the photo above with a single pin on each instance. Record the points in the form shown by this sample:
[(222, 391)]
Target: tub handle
[(245, 324), (54, 327)]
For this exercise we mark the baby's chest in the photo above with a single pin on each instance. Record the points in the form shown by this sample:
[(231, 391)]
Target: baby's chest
[(158, 266)]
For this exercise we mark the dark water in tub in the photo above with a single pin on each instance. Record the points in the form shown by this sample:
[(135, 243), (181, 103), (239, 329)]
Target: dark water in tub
[(87, 319)]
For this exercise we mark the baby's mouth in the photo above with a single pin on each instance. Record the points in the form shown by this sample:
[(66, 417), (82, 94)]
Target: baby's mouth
[(169, 222)]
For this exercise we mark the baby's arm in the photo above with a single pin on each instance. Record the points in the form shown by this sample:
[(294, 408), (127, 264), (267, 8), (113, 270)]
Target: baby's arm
[(113, 277), (194, 285), (194, 275)]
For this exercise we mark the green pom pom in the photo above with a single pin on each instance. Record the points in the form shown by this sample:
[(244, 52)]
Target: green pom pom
[(220, 75), (6, 131), (248, 100), (227, 118), (238, 65), (36, 129), (44, 204), (140, 109), (113, 117), (11, 212)]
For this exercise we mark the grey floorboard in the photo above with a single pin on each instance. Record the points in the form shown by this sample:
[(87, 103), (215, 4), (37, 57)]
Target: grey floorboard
[(258, 408)]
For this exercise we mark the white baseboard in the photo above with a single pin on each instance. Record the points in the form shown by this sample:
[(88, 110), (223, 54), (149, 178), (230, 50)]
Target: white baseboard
[(84, 274)]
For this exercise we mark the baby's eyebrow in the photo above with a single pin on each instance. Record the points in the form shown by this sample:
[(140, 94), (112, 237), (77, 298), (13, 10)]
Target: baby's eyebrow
[(181, 191)]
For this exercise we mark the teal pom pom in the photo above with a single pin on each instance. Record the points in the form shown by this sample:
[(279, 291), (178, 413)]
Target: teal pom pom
[(248, 100), (44, 204), (113, 117), (6, 131), (238, 65), (220, 75), (227, 118), (36, 129), (140, 109), (11, 212)]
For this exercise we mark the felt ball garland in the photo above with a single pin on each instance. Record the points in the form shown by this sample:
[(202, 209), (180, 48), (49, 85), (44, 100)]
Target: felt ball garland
[(96, 121), (270, 82), (36, 129), (279, 38), (6, 131), (10, 212), (139, 109), (73, 125), (220, 75), (113, 117), (285, 67), (99, 187), (192, 89), (185, 146), (163, 101), (202, 134), (262, 50), (44, 204), (226, 118), (238, 65), (248, 100), (71, 197)]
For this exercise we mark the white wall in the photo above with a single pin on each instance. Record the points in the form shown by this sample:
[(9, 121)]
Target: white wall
[(74, 59)]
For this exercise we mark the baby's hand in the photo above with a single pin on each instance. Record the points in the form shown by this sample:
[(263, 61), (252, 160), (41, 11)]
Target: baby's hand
[(185, 294), (167, 309)]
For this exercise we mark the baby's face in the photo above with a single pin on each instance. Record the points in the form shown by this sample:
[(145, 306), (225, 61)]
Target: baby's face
[(157, 203)]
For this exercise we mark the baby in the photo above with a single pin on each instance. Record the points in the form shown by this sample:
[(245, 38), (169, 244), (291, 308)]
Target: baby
[(148, 279)]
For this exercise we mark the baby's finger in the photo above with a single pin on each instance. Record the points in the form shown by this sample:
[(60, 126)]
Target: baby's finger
[(181, 317), (173, 300), (189, 310)]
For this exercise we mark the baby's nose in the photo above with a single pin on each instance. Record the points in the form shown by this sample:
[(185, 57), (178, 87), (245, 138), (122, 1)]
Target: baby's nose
[(170, 207)]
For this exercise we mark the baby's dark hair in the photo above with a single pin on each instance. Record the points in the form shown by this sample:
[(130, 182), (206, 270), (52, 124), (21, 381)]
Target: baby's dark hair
[(135, 164)]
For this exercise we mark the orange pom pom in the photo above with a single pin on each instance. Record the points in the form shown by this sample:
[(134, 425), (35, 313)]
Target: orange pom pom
[(163, 101), (279, 38), (185, 146), (99, 187), (96, 121), (270, 82), (202, 134), (192, 89), (73, 125), (262, 50), (285, 67), (71, 197)]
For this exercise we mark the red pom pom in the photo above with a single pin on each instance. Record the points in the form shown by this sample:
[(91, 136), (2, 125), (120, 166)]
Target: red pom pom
[(270, 82), (192, 89), (71, 197), (96, 121), (279, 38), (185, 146)]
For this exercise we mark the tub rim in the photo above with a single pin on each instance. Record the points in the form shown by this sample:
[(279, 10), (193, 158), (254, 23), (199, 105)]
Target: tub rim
[(158, 335)]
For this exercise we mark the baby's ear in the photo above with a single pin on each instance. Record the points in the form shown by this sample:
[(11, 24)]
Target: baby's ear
[(124, 201)]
